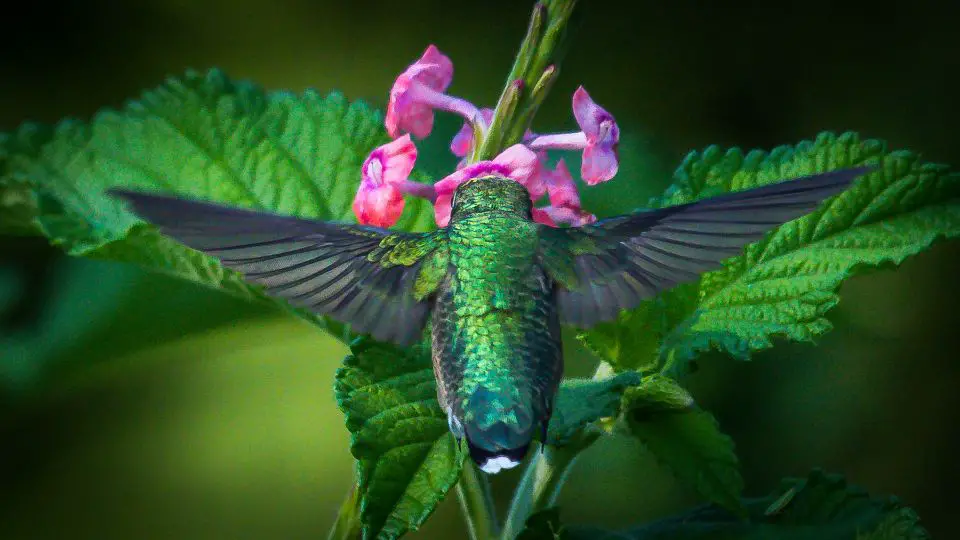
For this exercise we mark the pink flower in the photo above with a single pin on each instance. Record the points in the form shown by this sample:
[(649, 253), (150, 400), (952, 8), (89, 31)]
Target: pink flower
[(570, 216), (603, 137), (418, 91), (564, 199), (462, 142), (561, 188), (598, 139), (542, 216), (516, 162), (379, 199)]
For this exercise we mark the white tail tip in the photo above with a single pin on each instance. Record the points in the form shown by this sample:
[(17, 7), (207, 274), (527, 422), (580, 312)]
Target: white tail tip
[(497, 464)]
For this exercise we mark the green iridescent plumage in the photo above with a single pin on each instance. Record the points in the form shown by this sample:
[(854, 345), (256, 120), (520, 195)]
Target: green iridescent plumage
[(496, 334), (496, 285)]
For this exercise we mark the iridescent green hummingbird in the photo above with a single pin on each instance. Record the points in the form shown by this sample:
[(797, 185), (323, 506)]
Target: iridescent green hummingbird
[(496, 285)]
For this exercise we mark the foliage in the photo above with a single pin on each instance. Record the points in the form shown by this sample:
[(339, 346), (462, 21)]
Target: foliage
[(821, 506), (202, 135), (783, 285)]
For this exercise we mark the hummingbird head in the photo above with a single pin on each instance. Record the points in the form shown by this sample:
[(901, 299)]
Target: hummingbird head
[(491, 193)]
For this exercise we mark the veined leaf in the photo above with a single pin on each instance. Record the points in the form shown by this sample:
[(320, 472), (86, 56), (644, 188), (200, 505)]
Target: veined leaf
[(581, 402), (685, 439), (633, 341), (784, 284), (407, 458), (202, 136), (818, 507)]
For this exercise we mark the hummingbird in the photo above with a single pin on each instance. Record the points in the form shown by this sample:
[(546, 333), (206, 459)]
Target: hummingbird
[(495, 286)]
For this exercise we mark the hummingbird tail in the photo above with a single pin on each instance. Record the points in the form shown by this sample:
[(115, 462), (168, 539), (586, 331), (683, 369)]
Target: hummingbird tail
[(498, 430), (492, 462)]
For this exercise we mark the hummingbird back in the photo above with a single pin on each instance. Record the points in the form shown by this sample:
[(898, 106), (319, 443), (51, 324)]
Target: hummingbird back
[(496, 332)]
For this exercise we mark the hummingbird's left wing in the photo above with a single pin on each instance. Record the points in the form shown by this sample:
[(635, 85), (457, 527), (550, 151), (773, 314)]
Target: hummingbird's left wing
[(616, 263), (379, 281)]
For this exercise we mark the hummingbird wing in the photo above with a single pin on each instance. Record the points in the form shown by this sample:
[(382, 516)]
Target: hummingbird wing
[(615, 263), (372, 278)]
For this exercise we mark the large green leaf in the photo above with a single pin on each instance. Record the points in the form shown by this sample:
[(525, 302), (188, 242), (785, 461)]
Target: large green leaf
[(784, 284), (818, 507), (685, 439), (203, 136), (407, 458)]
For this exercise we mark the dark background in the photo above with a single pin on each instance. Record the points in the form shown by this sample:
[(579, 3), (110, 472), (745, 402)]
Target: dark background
[(135, 406)]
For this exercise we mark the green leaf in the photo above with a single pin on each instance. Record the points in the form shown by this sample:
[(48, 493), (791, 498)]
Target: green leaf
[(819, 507), (784, 284), (656, 394), (203, 136), (685, 439), (633, 341), (581, 402), (407, 458)]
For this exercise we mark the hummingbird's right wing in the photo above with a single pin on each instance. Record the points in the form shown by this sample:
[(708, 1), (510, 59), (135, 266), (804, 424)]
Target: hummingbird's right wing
[(615, 263), (379, 281)]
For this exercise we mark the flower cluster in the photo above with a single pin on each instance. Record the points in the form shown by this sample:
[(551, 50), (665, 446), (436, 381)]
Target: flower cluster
[(420, 91)]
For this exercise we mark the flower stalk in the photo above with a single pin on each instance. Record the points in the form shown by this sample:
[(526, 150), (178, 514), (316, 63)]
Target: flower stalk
[(493, 143), (542, 480), (533, 71), (476, 503), (348, 525)]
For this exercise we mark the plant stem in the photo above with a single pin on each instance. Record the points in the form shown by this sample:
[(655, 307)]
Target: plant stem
[(546, 473), (347, 526), (541, 483), (473, 490)]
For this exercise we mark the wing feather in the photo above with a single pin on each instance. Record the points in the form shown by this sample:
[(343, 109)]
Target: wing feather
[(619, 262), (359, 275)]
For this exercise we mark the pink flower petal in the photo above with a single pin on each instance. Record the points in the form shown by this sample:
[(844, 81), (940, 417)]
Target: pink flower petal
[(587, 112), (520, 160), (542, 216), (570, 216), (462, 142), (599, 164), (379, 206), (442, 209), (390, 163), (433, 71), (561, 188)]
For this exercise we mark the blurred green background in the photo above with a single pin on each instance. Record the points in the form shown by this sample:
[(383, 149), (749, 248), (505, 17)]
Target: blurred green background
[(135, 406)]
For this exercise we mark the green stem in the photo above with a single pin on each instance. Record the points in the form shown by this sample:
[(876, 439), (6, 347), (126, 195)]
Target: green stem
[(528, 47), (524, 118), (348, 525), (473, 491), (534, 71), (493, 143), (541, 483), (546, 473)]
